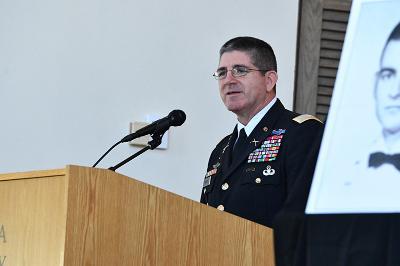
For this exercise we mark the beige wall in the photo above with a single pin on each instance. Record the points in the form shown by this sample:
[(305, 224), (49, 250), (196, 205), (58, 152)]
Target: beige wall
[(73, 74)]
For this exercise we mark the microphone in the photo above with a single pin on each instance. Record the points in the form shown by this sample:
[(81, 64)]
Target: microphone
[(175, 118), (159, 127)]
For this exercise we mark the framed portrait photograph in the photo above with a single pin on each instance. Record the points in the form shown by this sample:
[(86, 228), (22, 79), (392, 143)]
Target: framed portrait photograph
[(358, 168)]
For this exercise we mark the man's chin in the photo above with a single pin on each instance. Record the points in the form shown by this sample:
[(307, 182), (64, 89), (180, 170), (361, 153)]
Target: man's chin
[(391, 126), (235, 108), (389, 119), (236, 111)]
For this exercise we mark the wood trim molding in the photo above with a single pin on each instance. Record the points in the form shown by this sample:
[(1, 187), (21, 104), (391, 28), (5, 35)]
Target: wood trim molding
[(308, 56)]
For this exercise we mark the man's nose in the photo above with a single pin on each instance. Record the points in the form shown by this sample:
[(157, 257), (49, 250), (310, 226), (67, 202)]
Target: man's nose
[(227, 81), (229, 76)]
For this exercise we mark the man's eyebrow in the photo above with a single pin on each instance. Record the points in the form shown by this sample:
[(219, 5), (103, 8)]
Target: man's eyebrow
[(239, 65), (236, 65), (387, 69)]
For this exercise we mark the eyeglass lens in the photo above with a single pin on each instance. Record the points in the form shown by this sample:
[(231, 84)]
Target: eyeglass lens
[(237, 71)]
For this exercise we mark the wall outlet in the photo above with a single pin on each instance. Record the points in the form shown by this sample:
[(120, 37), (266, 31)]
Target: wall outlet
[(142, 141)]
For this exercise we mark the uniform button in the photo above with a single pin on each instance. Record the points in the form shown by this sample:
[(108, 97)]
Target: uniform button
[(258, 180), (225, 186), (220, 207)]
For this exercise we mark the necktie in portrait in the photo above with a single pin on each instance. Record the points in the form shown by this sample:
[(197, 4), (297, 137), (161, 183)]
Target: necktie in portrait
[(379, 158)]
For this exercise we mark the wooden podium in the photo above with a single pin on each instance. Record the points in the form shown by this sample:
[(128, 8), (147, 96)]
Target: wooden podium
[(85, 216)]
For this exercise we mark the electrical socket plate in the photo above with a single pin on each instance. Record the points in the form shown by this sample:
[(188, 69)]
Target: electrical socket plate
[(142, 141)]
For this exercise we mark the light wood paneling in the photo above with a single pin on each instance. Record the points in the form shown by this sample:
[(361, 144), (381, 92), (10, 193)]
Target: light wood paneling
[(33, 213), (98, 217), (95, 222), (32, 174), (160, 227)]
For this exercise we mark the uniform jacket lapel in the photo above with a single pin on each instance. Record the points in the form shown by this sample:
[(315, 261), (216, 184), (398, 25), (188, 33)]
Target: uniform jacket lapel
[(227, 154), (260, 133)]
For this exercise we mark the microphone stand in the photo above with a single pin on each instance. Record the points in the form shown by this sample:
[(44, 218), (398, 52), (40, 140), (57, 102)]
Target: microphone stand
[(154, 143)]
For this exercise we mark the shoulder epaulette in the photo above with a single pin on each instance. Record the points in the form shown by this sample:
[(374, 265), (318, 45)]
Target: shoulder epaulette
[(302, 118)]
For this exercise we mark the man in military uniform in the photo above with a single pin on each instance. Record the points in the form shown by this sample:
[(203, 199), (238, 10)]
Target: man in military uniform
[(251, 171)]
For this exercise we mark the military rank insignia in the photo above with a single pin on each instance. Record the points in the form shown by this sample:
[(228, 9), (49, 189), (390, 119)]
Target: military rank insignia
[(269, 149)]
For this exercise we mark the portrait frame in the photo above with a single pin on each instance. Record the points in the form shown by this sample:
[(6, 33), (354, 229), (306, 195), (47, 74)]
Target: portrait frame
[(340, 185)]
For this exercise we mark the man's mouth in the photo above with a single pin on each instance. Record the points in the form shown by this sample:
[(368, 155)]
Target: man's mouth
[(393, 107), (233, 93)]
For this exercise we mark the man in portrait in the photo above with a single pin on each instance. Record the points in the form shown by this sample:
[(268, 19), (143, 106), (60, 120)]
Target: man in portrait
[(384, 153)]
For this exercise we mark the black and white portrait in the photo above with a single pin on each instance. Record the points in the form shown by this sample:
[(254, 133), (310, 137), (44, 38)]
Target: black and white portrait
[(358, 170)]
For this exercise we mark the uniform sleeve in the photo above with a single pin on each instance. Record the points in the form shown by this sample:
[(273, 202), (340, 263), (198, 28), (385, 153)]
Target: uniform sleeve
[(300, 148), (290, 225)]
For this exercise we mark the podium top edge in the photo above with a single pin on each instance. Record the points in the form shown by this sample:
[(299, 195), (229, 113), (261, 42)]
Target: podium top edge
[(33, 174)]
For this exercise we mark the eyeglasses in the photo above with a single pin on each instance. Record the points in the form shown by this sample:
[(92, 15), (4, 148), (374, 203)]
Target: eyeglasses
[(237, 71)]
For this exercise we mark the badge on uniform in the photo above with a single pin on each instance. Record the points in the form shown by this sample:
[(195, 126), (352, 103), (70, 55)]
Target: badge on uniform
[(269, 149), (207, 179), (278, 131), (269, 171)]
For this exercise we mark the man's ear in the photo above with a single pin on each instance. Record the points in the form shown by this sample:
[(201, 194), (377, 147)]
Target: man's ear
[(271, 77)]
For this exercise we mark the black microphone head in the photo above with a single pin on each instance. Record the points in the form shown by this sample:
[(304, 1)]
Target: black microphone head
[(177, 117)]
